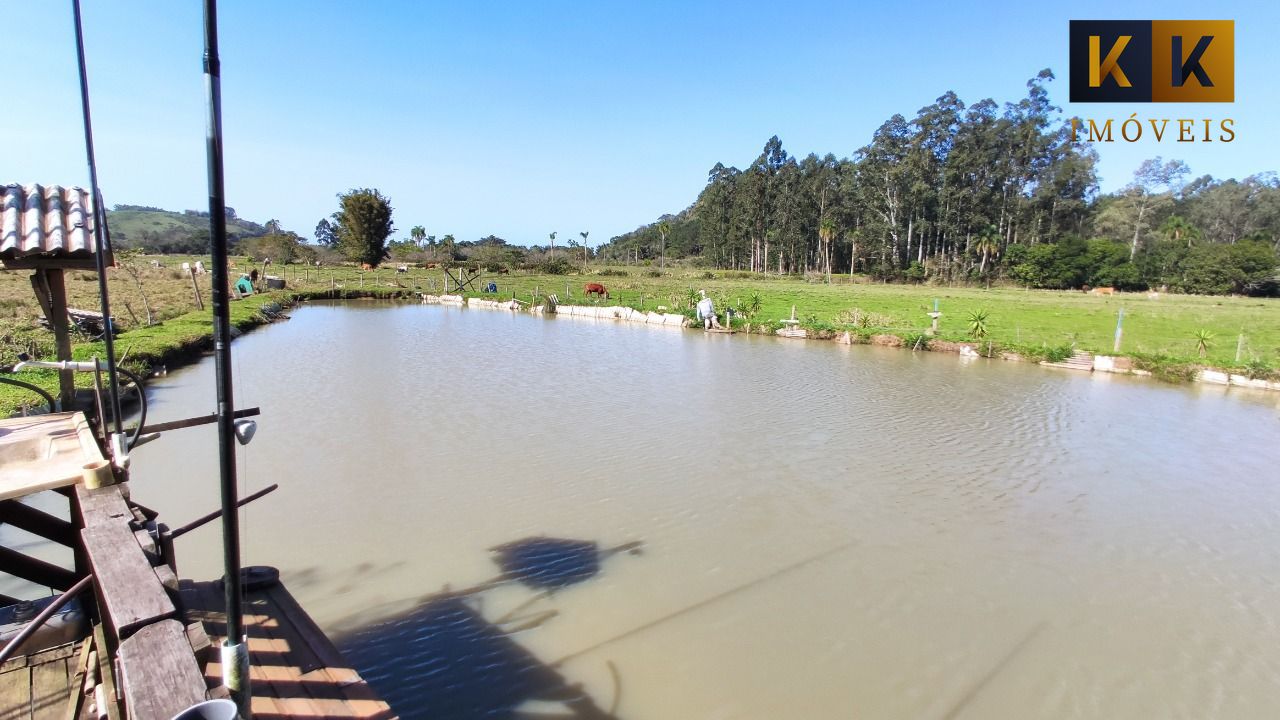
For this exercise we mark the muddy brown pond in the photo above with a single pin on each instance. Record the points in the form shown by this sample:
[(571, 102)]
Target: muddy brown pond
[(501, 515)]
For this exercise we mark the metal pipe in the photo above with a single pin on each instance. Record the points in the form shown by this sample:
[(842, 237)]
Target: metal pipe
[(235, 654), (203, 519), (50, 610), (99, 228)]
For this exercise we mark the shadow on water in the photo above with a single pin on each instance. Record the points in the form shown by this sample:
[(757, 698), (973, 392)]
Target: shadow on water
[(444, 659)]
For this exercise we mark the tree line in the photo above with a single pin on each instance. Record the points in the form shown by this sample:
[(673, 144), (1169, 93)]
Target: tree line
[(974, 194)]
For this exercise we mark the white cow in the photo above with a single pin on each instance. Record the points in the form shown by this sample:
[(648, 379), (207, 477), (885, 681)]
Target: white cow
[(199, 267)]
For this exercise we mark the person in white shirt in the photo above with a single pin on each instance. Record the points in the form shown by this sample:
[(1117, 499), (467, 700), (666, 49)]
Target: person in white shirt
[(707, 312)]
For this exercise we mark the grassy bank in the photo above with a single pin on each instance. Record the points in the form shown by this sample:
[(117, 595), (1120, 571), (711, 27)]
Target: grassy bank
[(1159, 332)]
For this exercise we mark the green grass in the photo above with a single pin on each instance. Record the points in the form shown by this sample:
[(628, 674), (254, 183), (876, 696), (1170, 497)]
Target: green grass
[(1159, 332), (1015, 317), (132, 223)]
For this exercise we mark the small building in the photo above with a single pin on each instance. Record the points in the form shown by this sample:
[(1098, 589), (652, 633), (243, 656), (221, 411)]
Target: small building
[(49, 229)]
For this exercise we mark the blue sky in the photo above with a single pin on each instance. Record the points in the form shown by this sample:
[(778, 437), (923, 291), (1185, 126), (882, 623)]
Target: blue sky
[(520, 118)]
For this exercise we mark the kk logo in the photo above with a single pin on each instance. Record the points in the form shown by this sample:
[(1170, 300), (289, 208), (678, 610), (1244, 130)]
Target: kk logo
[(1152, 60)]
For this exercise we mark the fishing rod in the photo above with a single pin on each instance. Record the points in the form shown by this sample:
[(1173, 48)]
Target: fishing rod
[(117, 444), (235, 649)]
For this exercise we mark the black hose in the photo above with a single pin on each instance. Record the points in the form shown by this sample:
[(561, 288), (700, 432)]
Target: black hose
[(33, 388), (142, 402)]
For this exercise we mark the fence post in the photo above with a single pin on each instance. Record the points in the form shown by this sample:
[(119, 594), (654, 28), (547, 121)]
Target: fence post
[(1119, 330)]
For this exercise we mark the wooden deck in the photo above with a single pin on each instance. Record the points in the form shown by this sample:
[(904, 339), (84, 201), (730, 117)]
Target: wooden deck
[(38, 686), (296, 671)]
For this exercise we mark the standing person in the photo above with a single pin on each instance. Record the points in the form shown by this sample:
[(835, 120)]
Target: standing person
[(707, 312)]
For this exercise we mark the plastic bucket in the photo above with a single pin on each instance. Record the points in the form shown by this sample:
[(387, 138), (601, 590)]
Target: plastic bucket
[(209, 710)]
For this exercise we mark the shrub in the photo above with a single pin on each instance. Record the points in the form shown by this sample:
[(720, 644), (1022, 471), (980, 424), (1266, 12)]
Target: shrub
[(978, 323), (612, 272), (1258, 369), (557, 266), (915, 341), (860, 318), (1163, 367)]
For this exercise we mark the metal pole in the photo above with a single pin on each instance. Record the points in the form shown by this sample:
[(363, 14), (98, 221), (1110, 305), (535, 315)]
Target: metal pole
[(99, 233), (235, 650)]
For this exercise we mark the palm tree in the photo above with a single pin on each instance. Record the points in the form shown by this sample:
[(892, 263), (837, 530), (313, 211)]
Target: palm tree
[(584, 235), (418, 235), (978, 323), (553, 244), (986, 246), (826, 232), (1177, 227), (1204, 340), (664, 229)]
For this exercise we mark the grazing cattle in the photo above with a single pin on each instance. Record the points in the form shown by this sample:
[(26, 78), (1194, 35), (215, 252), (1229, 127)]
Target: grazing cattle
[(1103, 291), (504, 271), (402, 269), (1085, 288), (595, 289), (186, 268), (199, 267), (366, 266), (156, 264)]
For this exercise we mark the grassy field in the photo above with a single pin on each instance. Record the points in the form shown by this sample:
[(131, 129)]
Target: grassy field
[(1024, 320)]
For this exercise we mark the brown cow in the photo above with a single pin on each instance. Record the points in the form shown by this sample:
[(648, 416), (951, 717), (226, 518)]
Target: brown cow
[(595, 289), (366, 266), (1103, 291)]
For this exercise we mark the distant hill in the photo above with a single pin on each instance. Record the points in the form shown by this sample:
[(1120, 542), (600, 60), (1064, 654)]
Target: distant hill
[(166, 231)]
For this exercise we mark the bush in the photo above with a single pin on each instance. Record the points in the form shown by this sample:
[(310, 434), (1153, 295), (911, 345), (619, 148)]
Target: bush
[(1163, 367), (611, 272), (915, 341), (1258, 369), (863, 319), (557, 266), (915, 273)]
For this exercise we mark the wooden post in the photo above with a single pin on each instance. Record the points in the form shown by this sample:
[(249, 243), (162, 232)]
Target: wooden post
[(196, 288), (56, 284)]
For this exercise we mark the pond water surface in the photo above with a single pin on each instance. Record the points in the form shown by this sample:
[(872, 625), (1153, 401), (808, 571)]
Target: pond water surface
[(744, 527)]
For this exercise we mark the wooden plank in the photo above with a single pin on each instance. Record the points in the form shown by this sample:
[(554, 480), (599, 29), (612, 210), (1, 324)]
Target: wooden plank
[(15, 694), (75, 684), (160, 675), (106, 675), (49, 690), (127, 586), (36, 571), (37, 522), (316, 641), (146, 542), (103, 505)]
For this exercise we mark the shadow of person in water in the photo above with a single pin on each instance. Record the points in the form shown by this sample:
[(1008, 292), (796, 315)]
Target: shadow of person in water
[(445, 660)]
